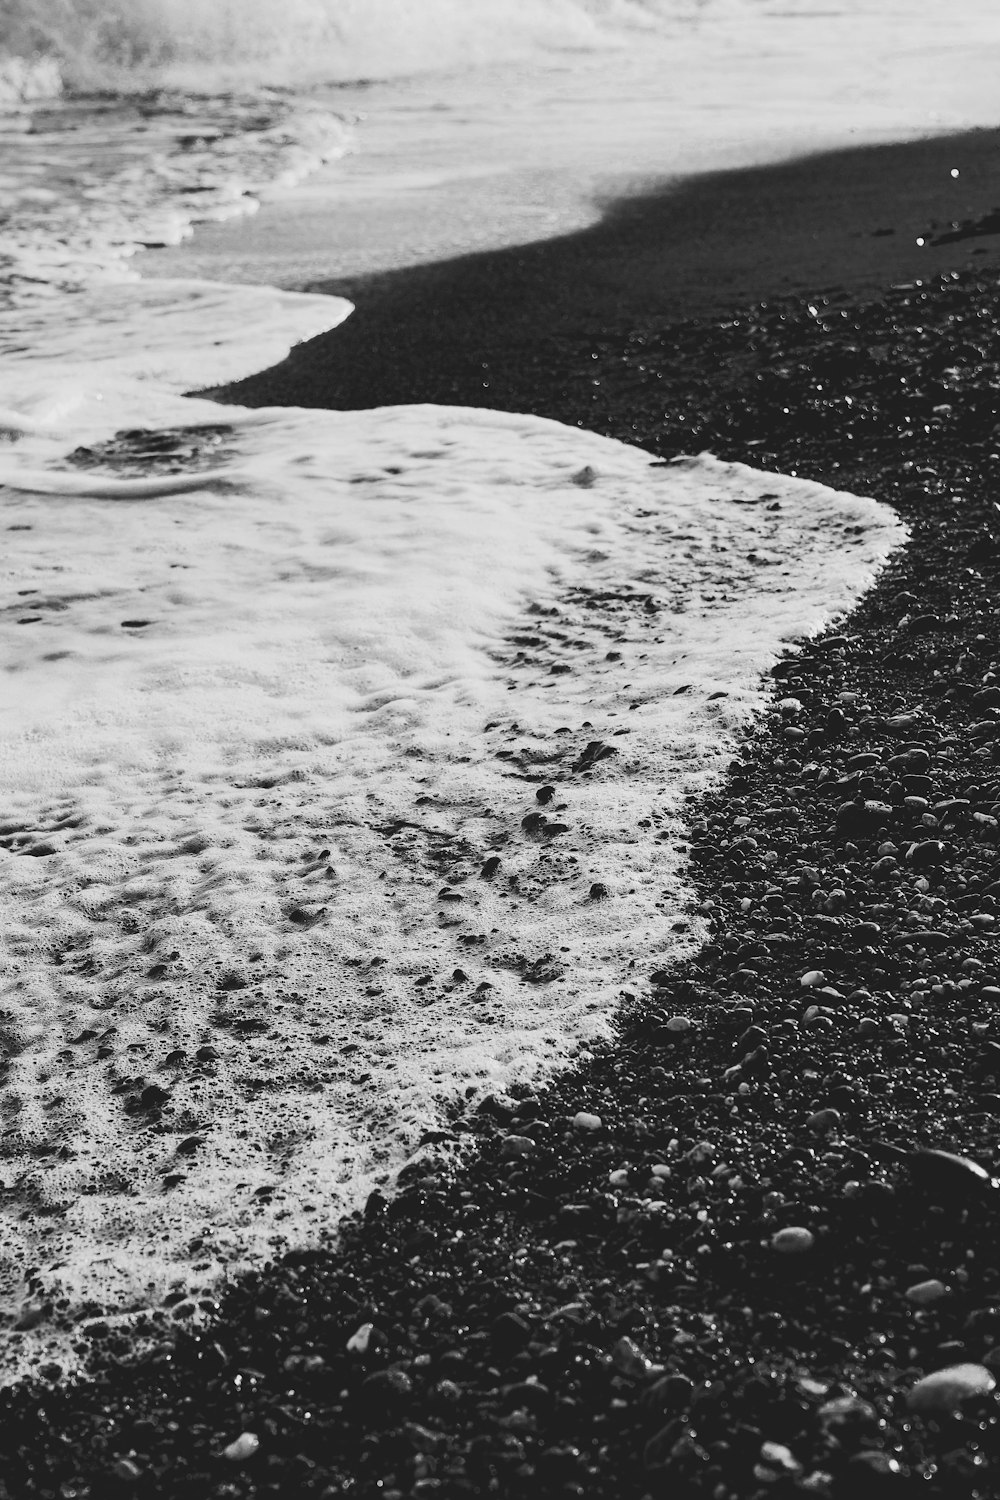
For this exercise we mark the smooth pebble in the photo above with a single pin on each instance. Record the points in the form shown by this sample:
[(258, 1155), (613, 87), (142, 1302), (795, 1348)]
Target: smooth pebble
[(945, 1390)]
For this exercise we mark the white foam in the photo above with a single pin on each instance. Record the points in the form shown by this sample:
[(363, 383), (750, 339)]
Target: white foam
[(252, 732), (86, 184)]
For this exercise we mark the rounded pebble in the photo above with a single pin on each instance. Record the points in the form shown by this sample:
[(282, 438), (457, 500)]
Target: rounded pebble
[(925, 1292), (242, 1448), (793, 1241), (945, 1390)]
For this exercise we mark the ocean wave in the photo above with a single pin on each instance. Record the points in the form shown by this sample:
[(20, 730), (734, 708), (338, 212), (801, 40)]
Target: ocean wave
[(87, 184), (97, 43)]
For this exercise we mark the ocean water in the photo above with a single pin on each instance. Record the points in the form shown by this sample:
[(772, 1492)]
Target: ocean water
[(295, 41), (280, 686)]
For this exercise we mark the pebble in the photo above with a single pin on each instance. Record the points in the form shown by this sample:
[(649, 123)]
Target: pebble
[(812, 978), (581, 1121), (359, 1342), (679, 1023), (635, 1363), (775, 1461), (513, 1146), (793, 1241), (871, 1466), (945, 1390), (924, 1293), (846, 1413), (701, 1155), (945, 1174), (824, 1120), (242, 1448)]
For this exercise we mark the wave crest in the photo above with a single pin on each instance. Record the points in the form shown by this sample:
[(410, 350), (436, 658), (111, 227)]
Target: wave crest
[(98, 43)]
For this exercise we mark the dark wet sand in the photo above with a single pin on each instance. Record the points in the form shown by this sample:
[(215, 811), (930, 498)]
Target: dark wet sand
[(506, 329)]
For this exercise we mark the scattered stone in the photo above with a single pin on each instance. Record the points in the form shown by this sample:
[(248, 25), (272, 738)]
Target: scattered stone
[(776, 1462), (945, 1175), (946, 1390), (584, 1121), (628, 1359), (793, 1241), (361, 1341), (924, 1293), (513, 1146), (126, 1470), (242, 1448)]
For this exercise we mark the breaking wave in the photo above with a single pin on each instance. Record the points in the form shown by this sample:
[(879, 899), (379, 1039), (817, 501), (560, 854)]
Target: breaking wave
[(186, 42)]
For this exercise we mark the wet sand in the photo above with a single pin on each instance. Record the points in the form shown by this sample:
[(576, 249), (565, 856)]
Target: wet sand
[(508, 329)]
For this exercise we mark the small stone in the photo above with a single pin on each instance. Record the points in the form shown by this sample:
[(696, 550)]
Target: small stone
[(793, 1241), (360, 1342), (812, 978), (924, 1293), (776, 1460), (126, 1470), (701, 1155), (924, 856), (679, 1024), (945, 1174), (632, 1361), (513, 1146), (242, 1448), (670, 1395), (583, 1121), (873, 1466), (847, 1414), (824, 1120), (946, 1390)]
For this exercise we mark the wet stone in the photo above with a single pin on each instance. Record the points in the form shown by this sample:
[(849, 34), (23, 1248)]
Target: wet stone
[(925, 1293), (794, 1240), (947, 1390), (242, 1448)]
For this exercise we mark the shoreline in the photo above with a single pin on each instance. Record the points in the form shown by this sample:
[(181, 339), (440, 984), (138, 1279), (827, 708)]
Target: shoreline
[(529, 1335), (511, 328)]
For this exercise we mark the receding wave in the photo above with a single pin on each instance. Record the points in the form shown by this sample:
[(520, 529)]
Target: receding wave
[(101, 43)]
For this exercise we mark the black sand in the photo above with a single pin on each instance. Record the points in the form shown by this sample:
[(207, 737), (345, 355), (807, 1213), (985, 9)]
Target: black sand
[(514, 329), (530, 1337)]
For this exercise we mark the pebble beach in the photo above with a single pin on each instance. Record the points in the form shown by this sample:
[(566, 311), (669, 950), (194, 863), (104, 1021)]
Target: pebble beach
[(747, 1245)]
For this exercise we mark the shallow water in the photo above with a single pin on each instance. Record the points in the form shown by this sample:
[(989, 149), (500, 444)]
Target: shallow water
[(450, 163)]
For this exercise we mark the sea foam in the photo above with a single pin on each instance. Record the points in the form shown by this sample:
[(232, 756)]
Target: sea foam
[(261, 737)]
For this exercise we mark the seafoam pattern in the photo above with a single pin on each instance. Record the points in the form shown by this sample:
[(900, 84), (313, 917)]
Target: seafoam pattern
[(262, 739)]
